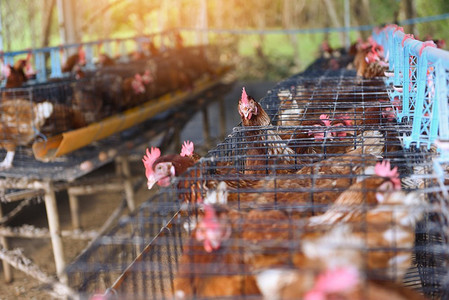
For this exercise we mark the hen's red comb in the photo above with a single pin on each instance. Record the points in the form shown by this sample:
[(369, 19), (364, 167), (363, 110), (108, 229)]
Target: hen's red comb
[(138, 77), (187, 148), (244, 97), (383, 169), (149, 159), (325, 119)]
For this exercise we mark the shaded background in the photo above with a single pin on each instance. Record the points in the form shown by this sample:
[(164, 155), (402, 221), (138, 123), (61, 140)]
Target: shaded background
[(40, 23)]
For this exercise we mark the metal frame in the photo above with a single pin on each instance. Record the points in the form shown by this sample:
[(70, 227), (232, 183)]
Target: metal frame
[(114, 265), (121, 49), (424, 94), (118, 150)]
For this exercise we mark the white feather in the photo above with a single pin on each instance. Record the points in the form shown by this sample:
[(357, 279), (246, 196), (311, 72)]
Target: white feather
[(395, 235), (179, 295), (44, 110), (271, 281), (338, 247), (218, 196)]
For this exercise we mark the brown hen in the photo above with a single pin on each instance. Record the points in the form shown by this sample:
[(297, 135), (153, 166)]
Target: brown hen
[(20, 122)]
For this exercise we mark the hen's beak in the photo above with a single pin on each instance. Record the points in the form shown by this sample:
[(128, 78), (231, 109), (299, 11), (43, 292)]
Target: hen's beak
[(162, 177), (247, 112)]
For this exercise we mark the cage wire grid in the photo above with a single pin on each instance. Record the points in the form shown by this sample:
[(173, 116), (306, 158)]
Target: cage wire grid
[(76, 103), (294, 185)]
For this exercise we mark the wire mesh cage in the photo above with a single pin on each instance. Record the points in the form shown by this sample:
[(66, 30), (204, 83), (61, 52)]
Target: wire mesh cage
[(94, 272), (307, 194), (43, 110), (29, 113), (37, 111)]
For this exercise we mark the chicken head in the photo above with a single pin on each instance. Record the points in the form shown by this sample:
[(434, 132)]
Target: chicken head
[(147, 77), (213, 229), (163, 173), (148, 161), (138, 84), (342, 120), (324, 122), (247, 106), (383, 169)]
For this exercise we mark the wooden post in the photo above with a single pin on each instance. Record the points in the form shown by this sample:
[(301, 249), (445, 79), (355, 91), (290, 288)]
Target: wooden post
[(332, 13), (128, 185), (204, 39), (347, 24), (22, 263), (206, 127), (67, 22), (74, 210), (6, 267), (118, 167), (177, 140), (1, 30), (222, 118), (55, 231)]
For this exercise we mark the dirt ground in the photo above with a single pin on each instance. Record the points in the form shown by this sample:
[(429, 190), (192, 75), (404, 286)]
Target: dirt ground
[(96, 209)]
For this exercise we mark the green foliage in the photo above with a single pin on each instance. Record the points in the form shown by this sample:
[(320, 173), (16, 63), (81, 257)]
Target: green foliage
[(435, 30), (383, 11), (271, 56)]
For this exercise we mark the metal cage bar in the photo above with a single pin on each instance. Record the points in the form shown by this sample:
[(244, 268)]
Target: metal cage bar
[(420, 105), (295, 105)]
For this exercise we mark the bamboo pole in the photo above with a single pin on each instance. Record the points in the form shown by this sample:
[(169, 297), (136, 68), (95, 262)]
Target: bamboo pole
[(16, 259), (206, 127), (87, 189), (112, 218), (22, 183), (74, 210), (55, 231), (176, 139), (347, 24), (29, 231), (6, 267), (20, 195), (15, 211), (332, 12), (222, 118), (127, 183)]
